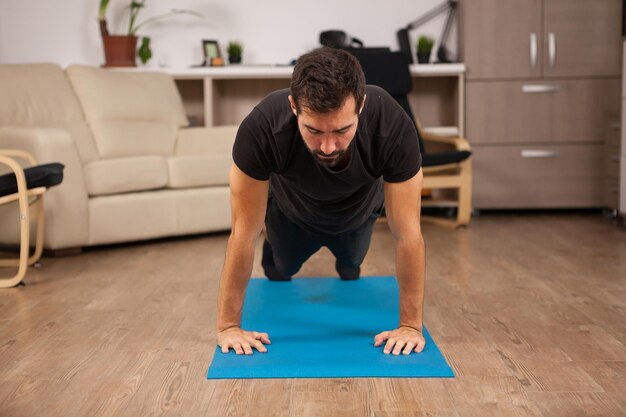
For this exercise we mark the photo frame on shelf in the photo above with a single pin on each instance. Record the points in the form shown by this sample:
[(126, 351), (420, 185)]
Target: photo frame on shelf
[(211, 51)]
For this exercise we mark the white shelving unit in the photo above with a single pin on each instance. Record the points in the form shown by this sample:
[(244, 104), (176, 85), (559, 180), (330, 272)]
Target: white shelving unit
[(224, 95)]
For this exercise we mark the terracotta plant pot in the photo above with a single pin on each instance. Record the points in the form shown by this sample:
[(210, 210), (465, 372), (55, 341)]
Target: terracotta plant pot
[(119, 51)]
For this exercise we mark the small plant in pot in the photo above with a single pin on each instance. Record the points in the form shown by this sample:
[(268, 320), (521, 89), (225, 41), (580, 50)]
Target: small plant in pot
[(424, 48), (120, 50), (234, 50)]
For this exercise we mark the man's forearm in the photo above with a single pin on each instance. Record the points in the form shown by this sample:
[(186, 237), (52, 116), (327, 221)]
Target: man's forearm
[(410, 271), (234, 280)]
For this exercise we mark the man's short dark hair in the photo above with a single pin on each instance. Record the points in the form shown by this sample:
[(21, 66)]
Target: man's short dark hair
[(323, 78)]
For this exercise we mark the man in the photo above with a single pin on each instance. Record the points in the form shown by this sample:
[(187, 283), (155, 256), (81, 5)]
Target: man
[(315, 163)]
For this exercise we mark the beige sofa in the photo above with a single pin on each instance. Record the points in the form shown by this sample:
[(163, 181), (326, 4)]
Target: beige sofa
[(133, 169)]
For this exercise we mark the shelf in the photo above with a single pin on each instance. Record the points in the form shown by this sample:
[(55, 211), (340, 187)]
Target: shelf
[(452, 131), (282, 71), (437, 70)]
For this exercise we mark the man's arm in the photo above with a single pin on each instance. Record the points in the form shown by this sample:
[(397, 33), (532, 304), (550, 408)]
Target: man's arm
[(248, 205), (402, 207)]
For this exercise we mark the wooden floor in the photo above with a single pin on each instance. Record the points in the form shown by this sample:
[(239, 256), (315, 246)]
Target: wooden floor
[(529, 310)]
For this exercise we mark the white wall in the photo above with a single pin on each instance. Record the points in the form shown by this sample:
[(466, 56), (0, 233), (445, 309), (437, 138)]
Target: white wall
[(273, 31)]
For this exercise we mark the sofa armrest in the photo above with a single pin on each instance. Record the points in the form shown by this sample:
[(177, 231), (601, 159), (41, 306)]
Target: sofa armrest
[(66, 206), (46, 145), (205, 140), (16, 154)]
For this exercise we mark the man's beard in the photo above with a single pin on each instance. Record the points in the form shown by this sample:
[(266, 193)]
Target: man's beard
[(331, 160)]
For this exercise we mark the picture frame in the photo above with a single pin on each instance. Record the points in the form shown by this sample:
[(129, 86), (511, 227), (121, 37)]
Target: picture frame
[(211, 51)]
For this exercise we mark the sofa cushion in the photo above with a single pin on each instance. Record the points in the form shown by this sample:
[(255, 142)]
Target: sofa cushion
[(122, 175), (40, 95), (154, 214), (143, 108), (206, 140), (120, 138), (198, 170)]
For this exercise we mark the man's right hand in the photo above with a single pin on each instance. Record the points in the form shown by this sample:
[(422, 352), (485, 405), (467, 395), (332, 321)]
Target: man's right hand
[(242, 341)]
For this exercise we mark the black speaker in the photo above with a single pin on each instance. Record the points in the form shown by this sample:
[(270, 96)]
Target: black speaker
[(338, 39)]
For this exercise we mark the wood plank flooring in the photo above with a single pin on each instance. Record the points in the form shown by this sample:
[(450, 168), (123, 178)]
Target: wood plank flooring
[(529, 310)]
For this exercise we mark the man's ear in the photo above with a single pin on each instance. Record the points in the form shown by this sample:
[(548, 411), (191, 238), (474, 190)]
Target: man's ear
[(362, 103), (293, 106)]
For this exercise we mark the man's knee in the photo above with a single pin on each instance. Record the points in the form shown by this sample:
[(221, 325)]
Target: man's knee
[(278, 268), (348, 273)]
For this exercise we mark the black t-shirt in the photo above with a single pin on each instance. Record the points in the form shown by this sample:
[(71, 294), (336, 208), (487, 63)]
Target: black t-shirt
[(269, 146)]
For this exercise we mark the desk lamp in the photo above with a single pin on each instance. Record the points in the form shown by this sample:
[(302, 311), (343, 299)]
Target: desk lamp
[(442, 53)]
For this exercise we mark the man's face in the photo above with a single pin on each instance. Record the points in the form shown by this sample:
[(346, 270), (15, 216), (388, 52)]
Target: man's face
[(328, 135)]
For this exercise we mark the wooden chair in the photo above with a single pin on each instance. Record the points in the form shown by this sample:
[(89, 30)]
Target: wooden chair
[(447, 170), (26, 187)]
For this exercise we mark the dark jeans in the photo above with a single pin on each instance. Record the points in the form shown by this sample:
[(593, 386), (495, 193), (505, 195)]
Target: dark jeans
[(287, 246)]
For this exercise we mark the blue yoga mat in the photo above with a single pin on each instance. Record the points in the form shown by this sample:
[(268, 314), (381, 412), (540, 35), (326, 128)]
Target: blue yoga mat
[(325, 328)]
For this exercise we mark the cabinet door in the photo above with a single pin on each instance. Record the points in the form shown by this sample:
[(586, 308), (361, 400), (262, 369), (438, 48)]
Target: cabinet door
[(558, 111), (582, 38), (501, 38)]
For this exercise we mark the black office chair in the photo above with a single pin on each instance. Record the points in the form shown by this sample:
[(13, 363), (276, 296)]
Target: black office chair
[(442, 170)]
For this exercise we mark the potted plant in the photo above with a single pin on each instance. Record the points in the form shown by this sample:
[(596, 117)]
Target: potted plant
[(424, 47), (234, 50), (120, 50)]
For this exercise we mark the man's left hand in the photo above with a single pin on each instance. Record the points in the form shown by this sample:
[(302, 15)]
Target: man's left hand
[(404, 339)]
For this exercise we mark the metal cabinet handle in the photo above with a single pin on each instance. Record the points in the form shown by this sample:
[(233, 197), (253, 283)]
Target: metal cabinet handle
[(533, 50), (552, 49), (539, 153), (540, 88)]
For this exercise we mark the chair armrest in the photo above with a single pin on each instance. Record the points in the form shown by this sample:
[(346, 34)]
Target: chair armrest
[(205, 140), (459, 143), (68, 223), (7, 158)]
